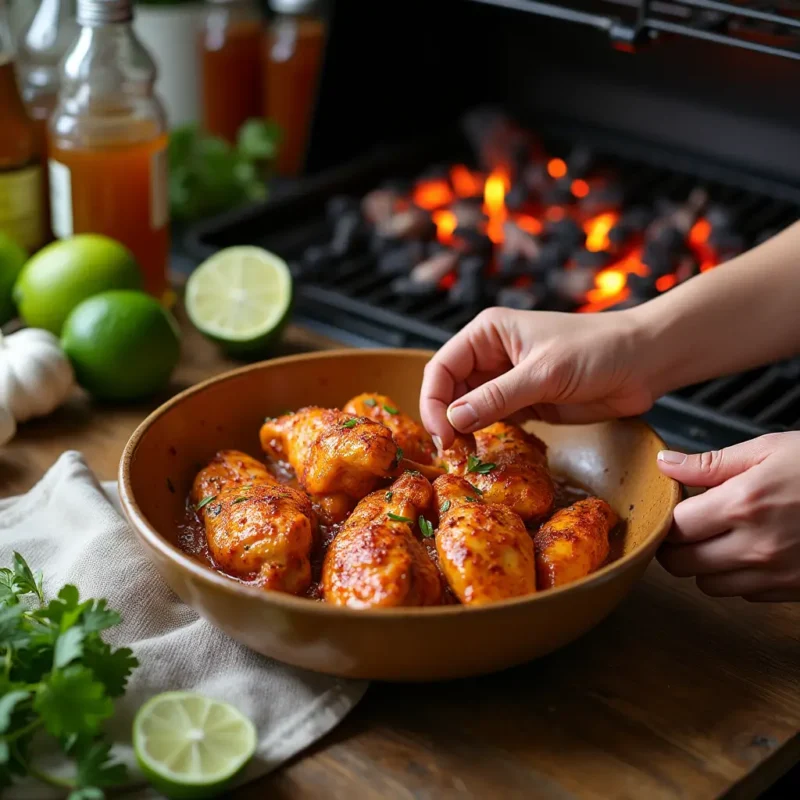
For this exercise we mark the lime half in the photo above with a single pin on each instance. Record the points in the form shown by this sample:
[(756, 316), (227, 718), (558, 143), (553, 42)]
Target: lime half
[(188, 745), (241, 298)]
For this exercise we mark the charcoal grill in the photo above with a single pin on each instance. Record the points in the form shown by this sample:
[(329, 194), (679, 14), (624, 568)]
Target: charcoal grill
[(662, 132)]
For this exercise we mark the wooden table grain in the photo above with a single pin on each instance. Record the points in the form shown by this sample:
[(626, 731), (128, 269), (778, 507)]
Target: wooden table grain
[(675, 695)]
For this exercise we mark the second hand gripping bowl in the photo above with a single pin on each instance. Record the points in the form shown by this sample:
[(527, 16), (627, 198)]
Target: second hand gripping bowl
[(298, 505)]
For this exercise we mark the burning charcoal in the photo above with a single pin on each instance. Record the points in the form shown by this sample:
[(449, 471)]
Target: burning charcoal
[(620, 234), (536, 179), (338, 205), (517, 196), (433, 269), (571, 284), (719, 217), (519, 242), (315, 259), (379, 205), (688, 268), (579, 162), (636, 218), (727, 244), (568, 231), (642, 286), (661, 262), (348, 233), (470, 240), (602, 198), (468, 213), (595, 260), (552, 255), (401, 259), (468, 289), (511, 265), (559, 193), (527, 299), (413, 223)]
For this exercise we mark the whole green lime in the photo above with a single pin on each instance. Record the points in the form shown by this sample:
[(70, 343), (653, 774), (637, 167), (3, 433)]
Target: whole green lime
[(12, 260), (123, 345), (66, 272)]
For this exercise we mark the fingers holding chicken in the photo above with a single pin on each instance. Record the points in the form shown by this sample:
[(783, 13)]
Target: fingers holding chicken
[(485, 551), (262, 532), (507, 465), (332, 453), (574, 542), (414, 440), (228, 468), (376, 560)]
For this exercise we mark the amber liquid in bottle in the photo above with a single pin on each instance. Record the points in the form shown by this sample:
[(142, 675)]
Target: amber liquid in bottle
[(294, 47), (107, 142), (21, 201), (230, 56)]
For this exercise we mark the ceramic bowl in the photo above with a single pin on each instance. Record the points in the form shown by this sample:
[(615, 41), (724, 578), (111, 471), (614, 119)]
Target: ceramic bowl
[(616, 460)]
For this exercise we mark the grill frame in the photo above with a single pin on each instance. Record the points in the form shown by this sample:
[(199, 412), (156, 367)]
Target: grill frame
[(290, 221)]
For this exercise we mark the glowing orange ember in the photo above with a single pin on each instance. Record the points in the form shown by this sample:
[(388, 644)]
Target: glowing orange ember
[(529, 224), (554, 213), (708, 264), (597, 230), (611, 283), (431, 194), (666, 282), (465, 182), (494, 195), (579, 188), (446, 222), (699, 233), (556, 168)]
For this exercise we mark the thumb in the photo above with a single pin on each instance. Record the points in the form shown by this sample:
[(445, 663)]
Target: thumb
[(715, 466), (495, 400)]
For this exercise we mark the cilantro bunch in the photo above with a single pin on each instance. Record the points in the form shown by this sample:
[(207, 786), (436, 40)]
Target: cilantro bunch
[(58, 678)]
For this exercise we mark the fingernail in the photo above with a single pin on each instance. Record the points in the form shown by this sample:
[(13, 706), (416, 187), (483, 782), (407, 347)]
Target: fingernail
[(437, 443), (671, 457), (462, 417)]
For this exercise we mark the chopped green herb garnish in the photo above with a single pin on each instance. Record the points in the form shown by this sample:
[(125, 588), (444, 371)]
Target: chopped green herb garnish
[(425, 527), (269, 419), (398, 518), (238, 500), (500, 436), (389, 495), (474, 464), (413, 472), (470, 499), (370, 402), (479, 491), (445, 507), (351, 423), (390, 409), (399, 456), (204, 502), (214, 510)]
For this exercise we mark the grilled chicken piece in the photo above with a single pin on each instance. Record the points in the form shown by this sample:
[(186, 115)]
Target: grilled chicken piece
[(338, 458), (375, 560), (228, 468), (417, 445), (573, 542), (485, 552), (508, 465), (262, 532)]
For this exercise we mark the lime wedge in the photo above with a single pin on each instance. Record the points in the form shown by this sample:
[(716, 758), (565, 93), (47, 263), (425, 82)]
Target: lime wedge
[(188, 745), (240, 298)]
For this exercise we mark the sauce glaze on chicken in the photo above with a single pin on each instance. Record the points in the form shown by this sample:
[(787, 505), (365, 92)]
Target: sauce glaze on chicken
[(355, 507)]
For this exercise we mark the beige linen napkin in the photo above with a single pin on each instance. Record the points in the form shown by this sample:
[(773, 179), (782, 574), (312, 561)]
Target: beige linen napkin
[(71, 528)]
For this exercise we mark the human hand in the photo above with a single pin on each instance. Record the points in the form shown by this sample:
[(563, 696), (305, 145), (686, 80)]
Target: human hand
[(568, 368), (742, 536)]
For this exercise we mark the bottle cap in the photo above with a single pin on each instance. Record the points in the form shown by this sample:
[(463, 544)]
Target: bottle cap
[(292, 6), (102, 12)]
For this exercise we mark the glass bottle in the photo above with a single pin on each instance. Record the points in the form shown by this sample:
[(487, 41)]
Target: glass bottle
[(43, 43), (230, 59), (295, 41), (21, 198), (107, 141)]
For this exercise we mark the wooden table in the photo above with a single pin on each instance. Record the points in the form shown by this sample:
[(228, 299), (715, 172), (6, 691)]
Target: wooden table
[(673, 696)]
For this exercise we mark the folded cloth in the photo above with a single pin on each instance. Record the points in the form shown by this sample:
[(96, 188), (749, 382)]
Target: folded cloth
[(71, 527)]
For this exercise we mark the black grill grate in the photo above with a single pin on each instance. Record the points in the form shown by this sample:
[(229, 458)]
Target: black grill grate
[(357, 303)]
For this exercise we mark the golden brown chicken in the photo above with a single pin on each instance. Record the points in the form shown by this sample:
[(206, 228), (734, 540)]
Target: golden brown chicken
[(338, 458), (507, 465), (485, 552), (228, 468), (262, 532), (375, 560), (573, 542), (414, 440)]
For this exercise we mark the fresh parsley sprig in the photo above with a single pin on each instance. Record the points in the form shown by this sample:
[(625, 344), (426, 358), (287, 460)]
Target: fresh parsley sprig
[(58, 678), (474, 464)]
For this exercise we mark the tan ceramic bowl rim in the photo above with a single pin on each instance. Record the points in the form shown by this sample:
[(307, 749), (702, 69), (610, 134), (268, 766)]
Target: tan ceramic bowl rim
[(288, 601)]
